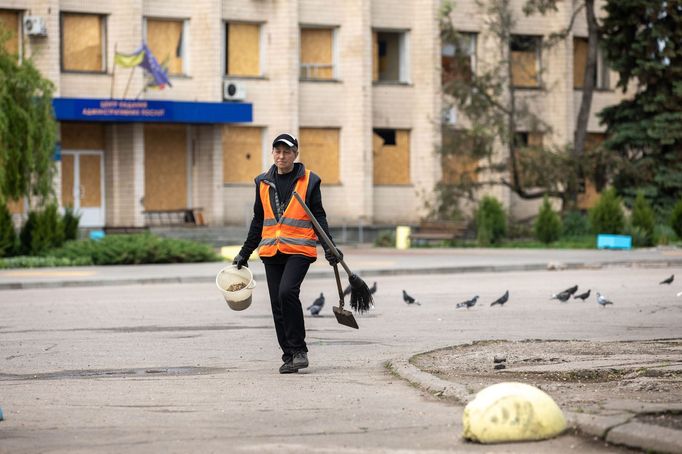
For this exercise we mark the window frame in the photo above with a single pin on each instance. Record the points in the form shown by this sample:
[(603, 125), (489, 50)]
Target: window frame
[(602, 76), (472, 50), (404, 63), (335, 52), (261, 49), (538, 62), (20, 31), (184, 46), (105, 35)]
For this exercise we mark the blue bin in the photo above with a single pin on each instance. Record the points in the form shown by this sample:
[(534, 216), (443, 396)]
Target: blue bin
[(97, 234), (607, 241)]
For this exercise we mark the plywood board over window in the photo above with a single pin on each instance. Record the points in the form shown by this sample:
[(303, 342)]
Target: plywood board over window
[(525, 53), (82, 42), (165, 167), (391, 156), (9, 23), (242, 153), (316, 53), (459, 165), (319, 151), (165, 40), (580, 47), (243, 49), (82, 136), (67, 180)]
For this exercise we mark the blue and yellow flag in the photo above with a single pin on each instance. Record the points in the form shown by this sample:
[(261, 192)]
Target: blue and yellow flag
[(129, 60)]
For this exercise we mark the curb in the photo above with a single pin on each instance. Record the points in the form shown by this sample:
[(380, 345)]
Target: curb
[(365, 273), (618, 428)]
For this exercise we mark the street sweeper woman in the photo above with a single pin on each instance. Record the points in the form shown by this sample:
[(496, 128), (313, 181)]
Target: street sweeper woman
[(287, 243)]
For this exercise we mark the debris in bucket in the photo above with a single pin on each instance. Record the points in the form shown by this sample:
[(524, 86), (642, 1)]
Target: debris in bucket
[(235, 287)]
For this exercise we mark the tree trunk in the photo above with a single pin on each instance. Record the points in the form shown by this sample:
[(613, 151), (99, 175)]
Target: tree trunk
[(585, 103)]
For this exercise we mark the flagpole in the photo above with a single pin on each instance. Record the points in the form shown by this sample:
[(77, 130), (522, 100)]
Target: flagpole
[(130, 77), (113, 73)]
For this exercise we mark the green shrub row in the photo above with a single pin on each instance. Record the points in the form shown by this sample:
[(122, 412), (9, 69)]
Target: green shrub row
[(24, 261)]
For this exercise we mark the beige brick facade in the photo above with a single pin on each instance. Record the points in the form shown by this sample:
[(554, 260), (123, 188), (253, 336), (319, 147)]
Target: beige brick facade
[(350, 102)]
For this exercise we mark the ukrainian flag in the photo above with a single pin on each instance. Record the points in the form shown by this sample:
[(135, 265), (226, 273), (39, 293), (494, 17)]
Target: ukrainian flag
[(129, 60)]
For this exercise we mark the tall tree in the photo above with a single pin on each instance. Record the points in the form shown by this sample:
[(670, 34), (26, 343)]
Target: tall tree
[(642, 39), (28, 130)]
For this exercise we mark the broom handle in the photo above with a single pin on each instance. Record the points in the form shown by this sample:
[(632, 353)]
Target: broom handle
[(338, 285), (321, 233)]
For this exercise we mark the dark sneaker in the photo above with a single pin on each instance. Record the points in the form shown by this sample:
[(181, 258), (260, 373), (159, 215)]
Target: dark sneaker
[(300, 360), (288, 368)]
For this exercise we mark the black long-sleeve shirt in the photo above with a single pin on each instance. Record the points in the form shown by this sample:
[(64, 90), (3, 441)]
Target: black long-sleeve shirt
[(285, 186)]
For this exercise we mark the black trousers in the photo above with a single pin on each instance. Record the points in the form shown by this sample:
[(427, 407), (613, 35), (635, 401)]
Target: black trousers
[(284, 284)]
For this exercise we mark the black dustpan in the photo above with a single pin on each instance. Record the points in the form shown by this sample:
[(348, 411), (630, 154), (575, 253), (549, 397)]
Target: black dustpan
[(343, 316)]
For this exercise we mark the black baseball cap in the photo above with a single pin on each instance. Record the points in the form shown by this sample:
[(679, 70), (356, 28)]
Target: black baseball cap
[(287, 139)]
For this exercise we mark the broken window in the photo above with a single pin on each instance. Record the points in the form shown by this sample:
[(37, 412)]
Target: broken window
[(319, 151), (242, 49), (166, 39), (458, 58), (389, 63), (317, 54), (525, 60), (9, 25), (242, 153), (391, 151), (83, 42), (601, 75)]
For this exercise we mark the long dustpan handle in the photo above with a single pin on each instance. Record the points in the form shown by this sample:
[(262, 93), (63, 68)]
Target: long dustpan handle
[(322, 234), (338, 286)]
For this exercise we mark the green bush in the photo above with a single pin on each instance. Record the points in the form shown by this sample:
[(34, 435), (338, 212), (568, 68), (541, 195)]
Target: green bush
[(664, 234), (576, 224), (643, 218), (385, 238), (640, 237), (24, 261), (136, 249), (8, 236), (607, 215), (42, 231), (70, 222), (547, 224), (676, 218), (26, 233), (491, 221)]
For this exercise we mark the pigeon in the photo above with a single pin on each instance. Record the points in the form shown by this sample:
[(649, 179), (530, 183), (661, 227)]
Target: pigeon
[(409, 300), (316, 307), (565, 295), (373, 288), (668, 281), (583, 296), (601, 299), (468, 303), (346, 292), (501, 300)]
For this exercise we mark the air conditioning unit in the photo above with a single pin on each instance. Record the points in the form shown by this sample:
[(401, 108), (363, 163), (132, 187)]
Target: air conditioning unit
[(34, 26), (233, 91)]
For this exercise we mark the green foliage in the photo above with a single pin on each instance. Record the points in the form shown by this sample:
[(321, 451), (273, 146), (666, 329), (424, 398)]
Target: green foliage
[(640, 39), (643, 218), (548, 224), (8, 236), (576, 224), (70, 222), (664, 234), (136, 249), (491, 221), (385, 238), (607, 214), (28, 130), (676, 218), (24, 261), (43, 230)]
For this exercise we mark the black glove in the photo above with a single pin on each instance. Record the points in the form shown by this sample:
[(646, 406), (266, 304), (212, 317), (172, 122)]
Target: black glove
[(240, 261), (331, 258)]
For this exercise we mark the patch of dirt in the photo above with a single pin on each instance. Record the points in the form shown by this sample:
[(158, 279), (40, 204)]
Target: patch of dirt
[(580, 375), (670, 420)]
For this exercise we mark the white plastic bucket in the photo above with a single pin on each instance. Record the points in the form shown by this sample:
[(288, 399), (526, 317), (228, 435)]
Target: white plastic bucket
[(240, 299)]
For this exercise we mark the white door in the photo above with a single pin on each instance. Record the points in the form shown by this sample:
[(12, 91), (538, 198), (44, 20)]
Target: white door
[(83, 185)]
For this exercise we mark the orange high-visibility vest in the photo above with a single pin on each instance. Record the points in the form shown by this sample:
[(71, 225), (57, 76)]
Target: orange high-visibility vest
[(293, 233)]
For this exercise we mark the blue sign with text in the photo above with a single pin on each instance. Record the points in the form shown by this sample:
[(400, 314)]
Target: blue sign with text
[(135, 110)]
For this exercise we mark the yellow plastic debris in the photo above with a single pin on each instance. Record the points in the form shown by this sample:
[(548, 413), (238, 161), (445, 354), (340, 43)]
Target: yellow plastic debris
[(512, 412)]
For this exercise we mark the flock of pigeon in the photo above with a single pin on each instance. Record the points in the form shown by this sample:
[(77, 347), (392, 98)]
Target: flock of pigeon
[(562, 296)]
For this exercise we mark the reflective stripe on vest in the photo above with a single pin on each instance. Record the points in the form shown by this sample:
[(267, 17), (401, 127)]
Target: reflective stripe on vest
[(293, 233)]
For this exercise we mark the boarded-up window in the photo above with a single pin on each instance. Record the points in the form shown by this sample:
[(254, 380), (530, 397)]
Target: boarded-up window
[(9, 25), (317, 48), (67, 180), (242, 153), (16, 206), (242, 57), (82, 136), (391, 149), (165, 167), (528, 148), (319, 151), (83, 42), (525, 60), (458, 163), (593, 179), (458, 58), (389, 61), (165, 39), (601, 73)]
